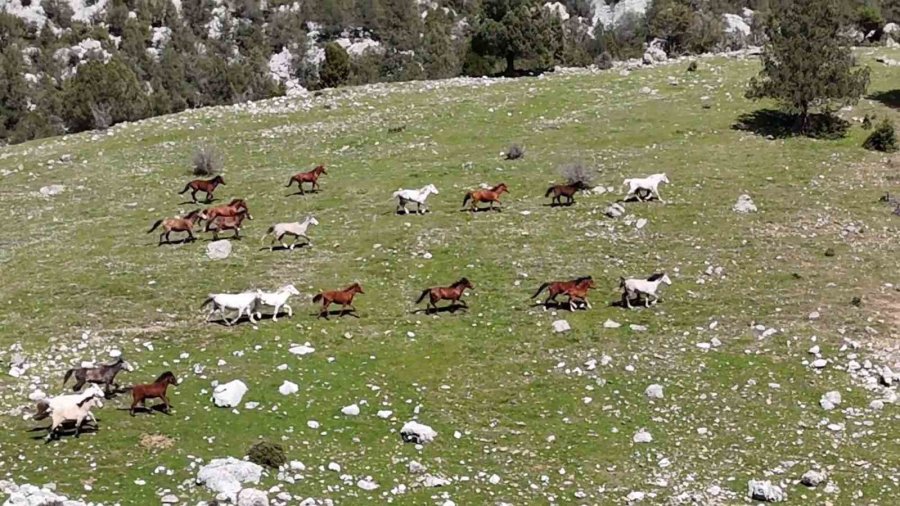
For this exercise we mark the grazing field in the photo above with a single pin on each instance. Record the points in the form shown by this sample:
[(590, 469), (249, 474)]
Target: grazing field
[(524, 415)]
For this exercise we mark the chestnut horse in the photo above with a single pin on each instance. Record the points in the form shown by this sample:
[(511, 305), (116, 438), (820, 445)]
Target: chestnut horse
[(230, 209), (155, 390), (578, 294), (184, 224), (201, 185), (557, 288), (307, 177), (453, 293), (221, 223), (490, 195), (565, 190), (343, 297)]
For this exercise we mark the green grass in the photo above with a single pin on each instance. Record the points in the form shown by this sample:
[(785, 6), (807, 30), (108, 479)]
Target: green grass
[(497, 374)]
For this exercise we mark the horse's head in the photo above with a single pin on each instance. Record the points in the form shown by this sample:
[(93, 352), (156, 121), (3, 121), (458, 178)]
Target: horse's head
[(665, 279), (312, 220), (94, 391), (219, 180), (500, 188), (663, 178), (356, 287), (586, 282), (291, 289), (432, 189), (193, 215), (203, 215), (465, 283), (320, 169)]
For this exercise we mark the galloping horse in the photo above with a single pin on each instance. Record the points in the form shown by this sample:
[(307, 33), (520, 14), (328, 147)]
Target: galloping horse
[(155, 390), (565, 190), (230, 209), (634, 288), (183, 224), (453, 293), (557, 288), (649, 184), (201, 185), (222, 223), (343, 297), (307, 177), (489, 195), (296, 229), (418, 197), (104, 374), (578, 294)]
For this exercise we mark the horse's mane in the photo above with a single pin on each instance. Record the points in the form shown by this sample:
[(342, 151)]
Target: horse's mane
[(583, 278), (656, 276), (351, 287), (462, 281), (164, 376), (498, 187)]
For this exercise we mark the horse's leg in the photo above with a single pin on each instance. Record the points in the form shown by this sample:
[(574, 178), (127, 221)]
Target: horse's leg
[(134, 404), (167, 406), (275, 313), (626, 299), (79, 383), (194, 195), (209, 196), (324, 311)]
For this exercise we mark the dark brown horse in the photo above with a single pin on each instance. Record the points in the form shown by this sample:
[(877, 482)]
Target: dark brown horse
[(183, 224), (203, 185), (155, 390), (104, 374), (230, 209), (307, 177), (222, 223), (343, 297), (557, 288), (453, 293), (565, 190), (489, 195)]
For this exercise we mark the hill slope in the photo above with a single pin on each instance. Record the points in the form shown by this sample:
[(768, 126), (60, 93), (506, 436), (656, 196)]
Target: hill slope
[(551, 415)]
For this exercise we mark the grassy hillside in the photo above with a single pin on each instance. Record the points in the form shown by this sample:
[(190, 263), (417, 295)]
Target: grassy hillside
[(80, 278)]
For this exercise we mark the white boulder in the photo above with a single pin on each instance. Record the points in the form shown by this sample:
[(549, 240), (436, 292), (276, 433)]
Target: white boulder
[(744, 205), (764, 491), (561, 326), (229, 395), (225, 476), (218, 250), (288, 388), (418, 433)]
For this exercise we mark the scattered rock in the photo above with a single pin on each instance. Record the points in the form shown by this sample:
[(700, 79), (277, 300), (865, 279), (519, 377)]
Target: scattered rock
[(642, 436), (351, 410), (654, 391), (830, 400), (615, 210), (367, 484), (53, 189), (415, 432), (252, 497), (609, 324), (813, 478), (218, 250), (765, 491), (225, 476), (230, 394), (303, 349), (819, 363), (288, 388), (744, 205), (561, 326)]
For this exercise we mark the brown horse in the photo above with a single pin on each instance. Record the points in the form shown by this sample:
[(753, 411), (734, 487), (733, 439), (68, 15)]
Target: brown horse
[(307, 177), (343, 297), (578, 294), (557, 288), (565, 190), (230, 209), (202, 185), (104, 374), (453, 293), (155, 390), (221, 223), (183, 224), (490, 195)]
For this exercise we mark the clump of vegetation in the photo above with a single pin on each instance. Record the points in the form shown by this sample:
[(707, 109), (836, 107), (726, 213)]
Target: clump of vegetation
[(856, 301), (604, 61), (267, 454), (515, 152), (882, 138), (396, 129), (692, 67), (867, 121), (335, 70), (829, 252), (207, 161), (576, 173), (808, 64)]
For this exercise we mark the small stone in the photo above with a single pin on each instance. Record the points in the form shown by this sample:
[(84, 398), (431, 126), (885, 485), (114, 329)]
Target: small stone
[(351, 410), (744, 205), (654, 391), (384, 413), (609, 324), (53, 189), (288, 388), (765, 491), (218, 250), (642, 436), (814, 315), (561, 326), (813, 478), (418, 433), (494, 479), (819, 363)]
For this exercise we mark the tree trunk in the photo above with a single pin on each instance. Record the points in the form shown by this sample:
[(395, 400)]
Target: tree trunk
[(510, 63)]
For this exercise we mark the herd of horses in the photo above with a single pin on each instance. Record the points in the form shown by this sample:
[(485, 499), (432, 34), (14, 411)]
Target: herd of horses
[(230, 217)]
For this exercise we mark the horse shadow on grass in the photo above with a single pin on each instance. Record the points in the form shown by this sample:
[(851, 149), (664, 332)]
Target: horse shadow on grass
[(304, 192), (559, 204), (401, 213), (282, 248), (559, 306), (177, 242), (336, 312), (152, 410), (66, 429), (452, 308), (199, 202), (635, 304), (481, 210), (222, 323)]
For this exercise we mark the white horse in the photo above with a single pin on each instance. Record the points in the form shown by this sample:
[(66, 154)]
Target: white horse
[(296, 229), (74, 407), (416, 196), (633, 288), (276, 299), (649, 183), (242, 302)]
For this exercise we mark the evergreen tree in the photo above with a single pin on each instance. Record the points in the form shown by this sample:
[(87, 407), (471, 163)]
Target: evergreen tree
[(108, 88), (511, 30), (13, 90), (336, 67), (807, 65), (439, 57)]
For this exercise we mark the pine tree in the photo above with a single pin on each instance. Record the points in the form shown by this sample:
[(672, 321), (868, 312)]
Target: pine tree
[(336, 68), (807, 64), (13, 90), (111, 88), (439, 57), (511, 30)]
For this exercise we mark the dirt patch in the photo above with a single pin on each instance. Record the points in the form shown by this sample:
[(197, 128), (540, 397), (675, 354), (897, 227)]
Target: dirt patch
[(156, 441)]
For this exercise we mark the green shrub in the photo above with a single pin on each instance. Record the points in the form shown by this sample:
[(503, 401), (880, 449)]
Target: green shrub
[(604, 61), (58, 11), (336, 69), (692, 67), (882, 138), (267, 454), (102, 94)]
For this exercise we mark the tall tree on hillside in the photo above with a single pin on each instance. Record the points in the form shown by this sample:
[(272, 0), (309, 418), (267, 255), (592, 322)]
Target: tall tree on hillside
[(807, 64), (13, 90), (513, 29), (439, 57), (102, 94), (336, 68)]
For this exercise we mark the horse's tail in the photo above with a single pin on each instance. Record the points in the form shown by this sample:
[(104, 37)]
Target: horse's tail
[(186, 188), (549, 191), (43, 410), (158, 222), (290, 182), (621, 282), (540, 289), (67, 376), (263, 238), (468, 196), (317, 298), (422, 297), (207, 301), (396, 194)]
